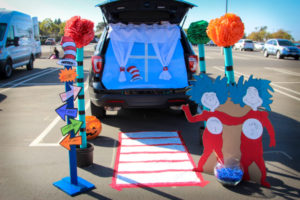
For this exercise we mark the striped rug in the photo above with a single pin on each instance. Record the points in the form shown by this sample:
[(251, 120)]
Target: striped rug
[(154, 159)]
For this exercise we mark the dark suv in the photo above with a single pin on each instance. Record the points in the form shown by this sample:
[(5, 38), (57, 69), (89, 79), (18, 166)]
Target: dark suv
[(143, 58)]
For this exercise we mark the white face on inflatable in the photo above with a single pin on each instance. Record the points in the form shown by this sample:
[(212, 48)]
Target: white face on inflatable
[(252, 98), (210, 100)]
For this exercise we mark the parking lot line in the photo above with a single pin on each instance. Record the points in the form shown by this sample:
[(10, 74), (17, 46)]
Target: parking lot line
[(113, 154), (283, 71), (37, 141), (20, 83), (275, 89), (23, 77)]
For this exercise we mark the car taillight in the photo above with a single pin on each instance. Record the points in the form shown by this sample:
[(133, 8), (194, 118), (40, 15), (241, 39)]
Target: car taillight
[(97, 64), (193, 63)]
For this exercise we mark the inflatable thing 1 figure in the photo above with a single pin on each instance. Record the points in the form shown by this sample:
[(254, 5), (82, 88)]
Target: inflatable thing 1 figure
[(212, 136)]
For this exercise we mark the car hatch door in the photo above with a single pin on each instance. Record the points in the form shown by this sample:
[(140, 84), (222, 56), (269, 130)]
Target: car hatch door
[(144, 11)]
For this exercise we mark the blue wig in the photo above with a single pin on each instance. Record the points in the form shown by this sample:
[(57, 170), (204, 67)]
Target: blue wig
[(203, 83), (238, 91)]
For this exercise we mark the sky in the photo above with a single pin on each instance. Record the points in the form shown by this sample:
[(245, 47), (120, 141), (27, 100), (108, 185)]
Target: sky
[(275, 14)]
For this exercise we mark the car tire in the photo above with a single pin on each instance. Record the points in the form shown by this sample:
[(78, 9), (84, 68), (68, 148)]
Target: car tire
[(278, 56), (99, 112), (266, 53), (29, 66), (296, 57), (7, 69)]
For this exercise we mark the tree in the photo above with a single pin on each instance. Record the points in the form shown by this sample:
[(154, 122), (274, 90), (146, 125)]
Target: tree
[(282, 34), (62, 29), (260, 34), (57, 21), (100, 26), (48, 28)]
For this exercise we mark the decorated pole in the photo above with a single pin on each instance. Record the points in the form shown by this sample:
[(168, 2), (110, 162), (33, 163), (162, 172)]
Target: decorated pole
[(229, 65), (81, 30), (196, 34), (225, 32), (72, 151), (72, 185), (202, 58)]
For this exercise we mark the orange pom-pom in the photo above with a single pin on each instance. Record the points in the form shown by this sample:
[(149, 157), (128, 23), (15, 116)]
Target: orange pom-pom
[(226, 30), (80, 30)]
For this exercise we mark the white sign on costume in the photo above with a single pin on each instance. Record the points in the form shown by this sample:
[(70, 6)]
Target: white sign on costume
[(162, 37), (214, 125), (252, 128)]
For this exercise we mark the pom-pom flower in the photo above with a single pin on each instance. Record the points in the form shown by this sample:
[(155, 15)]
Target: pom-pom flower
[(81, 30), (196, 32), (226, 30)]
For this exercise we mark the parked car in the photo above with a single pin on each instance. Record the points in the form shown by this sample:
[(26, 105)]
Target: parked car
[(243, 45), (50, 41), (298, 45), (129, 72), (281, 48), (18, 46), (211, 43), (36, 34), (258, 46)]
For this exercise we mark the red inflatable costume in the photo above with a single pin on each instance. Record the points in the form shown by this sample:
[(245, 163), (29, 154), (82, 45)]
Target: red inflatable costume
[(251, 142), (212, 136)]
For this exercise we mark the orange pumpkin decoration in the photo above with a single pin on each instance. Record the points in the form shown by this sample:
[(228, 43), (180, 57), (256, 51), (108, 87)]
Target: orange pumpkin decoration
[(93, 127), (226, 30)]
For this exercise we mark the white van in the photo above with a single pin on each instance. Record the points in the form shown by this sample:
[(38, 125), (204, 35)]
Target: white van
[(18, 44)]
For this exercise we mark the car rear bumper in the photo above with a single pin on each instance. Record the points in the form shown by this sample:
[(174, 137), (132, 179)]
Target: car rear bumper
[(127, 99)]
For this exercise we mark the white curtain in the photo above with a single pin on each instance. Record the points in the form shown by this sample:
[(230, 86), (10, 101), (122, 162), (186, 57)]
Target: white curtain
[(164, 39)]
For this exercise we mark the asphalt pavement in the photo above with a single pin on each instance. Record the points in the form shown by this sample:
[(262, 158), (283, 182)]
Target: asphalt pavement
[(31, 158)]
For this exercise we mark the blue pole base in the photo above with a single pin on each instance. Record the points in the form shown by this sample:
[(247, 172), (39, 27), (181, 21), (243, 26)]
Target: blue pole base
[(71, 189)]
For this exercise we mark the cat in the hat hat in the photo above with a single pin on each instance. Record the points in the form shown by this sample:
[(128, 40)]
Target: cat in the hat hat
[(69, 48)]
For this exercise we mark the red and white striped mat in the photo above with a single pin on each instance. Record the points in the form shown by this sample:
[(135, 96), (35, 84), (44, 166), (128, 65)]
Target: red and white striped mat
[(154, 159)]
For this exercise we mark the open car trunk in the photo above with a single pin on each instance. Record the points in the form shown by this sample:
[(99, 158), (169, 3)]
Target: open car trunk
[(144, 11)]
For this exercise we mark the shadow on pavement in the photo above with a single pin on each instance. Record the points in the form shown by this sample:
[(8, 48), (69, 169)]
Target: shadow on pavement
[(2, 97), (96, 195), (103, 171), (99, 170), (278, 188), (104, 141)]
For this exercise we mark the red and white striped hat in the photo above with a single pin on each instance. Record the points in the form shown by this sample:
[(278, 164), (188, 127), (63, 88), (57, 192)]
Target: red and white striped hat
[(135, 73), (69, 48)]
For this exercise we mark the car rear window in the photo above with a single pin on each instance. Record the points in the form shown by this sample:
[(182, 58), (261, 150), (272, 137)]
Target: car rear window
[(2, 30), (248, 41)]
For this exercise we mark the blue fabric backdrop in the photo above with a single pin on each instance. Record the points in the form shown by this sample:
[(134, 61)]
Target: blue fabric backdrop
[(177, 69)]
